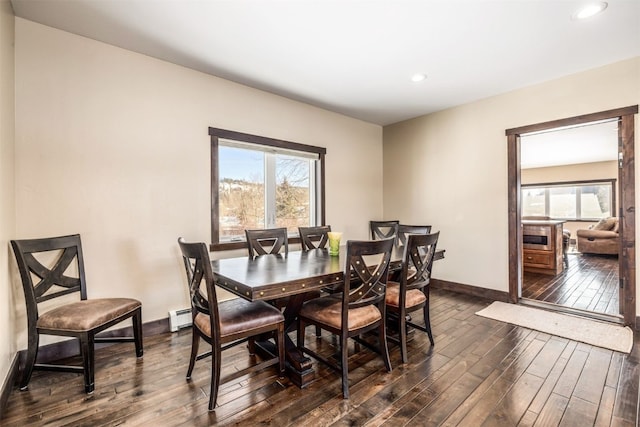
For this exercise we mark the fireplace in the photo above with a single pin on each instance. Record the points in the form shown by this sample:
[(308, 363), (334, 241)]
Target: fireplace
[(536, 237), (542, 246)]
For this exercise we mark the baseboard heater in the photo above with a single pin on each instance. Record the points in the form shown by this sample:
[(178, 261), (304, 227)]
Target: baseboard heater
[(179, 319)]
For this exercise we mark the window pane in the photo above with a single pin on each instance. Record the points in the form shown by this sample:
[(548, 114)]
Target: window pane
[(241, 191), (293, 192), (562, 202), (533, 202), (582, 201), (260, 182), (595, 201)]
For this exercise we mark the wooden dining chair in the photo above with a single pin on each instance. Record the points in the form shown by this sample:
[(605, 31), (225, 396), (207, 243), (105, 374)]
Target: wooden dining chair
[(51, 268), (404, 230), (314, 237), (267, 241), (360, 308), (412, 292), (227, 323), (402, 233), (383, 229)]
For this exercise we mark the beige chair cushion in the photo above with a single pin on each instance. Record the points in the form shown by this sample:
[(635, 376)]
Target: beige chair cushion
[(606, 224), (239, 315), (328, 310), (86, 315), (414, 296)]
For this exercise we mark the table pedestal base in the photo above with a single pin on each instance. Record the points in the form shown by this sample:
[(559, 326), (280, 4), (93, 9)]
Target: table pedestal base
[(298, 367)]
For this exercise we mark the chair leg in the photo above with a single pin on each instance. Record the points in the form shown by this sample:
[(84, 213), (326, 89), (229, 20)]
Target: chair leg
[(344, 353), (318, 331), (88, 361), (280, 343), (195, 343), (356, 345), (215, 377), (427, 322), (251, 346), (384, 347), (137, 332), (30, 361), (402, 334)]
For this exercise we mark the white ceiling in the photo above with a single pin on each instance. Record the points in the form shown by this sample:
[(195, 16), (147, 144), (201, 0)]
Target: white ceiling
[(356, 57), (594, 142)]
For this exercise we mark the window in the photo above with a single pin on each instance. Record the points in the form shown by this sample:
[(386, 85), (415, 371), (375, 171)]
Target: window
[(260, 182), (575, 201)]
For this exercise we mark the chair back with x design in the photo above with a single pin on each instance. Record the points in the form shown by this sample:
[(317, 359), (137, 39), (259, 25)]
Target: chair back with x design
[(267, 241), (314, 237), (383, 229)]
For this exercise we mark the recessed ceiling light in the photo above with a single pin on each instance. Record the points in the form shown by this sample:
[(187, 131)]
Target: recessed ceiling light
[(589, 10), (418, 77)]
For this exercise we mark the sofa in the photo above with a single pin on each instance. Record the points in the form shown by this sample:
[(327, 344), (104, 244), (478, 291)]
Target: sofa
[(601, 238)]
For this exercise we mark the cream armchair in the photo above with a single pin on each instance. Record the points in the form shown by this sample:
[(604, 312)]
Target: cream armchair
[(602, 238)]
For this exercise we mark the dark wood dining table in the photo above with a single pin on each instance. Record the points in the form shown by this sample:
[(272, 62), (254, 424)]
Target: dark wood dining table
[(293, 278)]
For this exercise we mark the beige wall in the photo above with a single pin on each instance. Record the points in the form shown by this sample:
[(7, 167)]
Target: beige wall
[(449, 169), (7, 199), (113, 145), (577, 172)]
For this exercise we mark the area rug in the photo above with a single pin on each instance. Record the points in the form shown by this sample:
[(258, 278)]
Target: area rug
[(600, 334)]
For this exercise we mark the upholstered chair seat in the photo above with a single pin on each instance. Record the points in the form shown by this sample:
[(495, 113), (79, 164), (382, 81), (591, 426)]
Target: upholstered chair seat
[(328, 312), (238, 315), (88, 314), (414, 297)]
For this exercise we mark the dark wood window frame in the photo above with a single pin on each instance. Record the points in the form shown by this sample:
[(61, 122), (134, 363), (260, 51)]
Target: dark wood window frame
[(610, 181), (626, 179), (216, 134)]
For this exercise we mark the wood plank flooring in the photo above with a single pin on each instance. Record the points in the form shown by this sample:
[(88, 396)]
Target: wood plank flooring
[(590, 282), (480, 372)]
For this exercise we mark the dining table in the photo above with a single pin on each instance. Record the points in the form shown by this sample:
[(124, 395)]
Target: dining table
[(292, 278)]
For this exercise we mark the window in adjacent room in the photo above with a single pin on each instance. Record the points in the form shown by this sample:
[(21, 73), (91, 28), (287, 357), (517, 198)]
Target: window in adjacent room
[(587, 201), (260, 182)]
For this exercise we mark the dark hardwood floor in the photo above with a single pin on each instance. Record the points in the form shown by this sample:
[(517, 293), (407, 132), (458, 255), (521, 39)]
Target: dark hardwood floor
[(590, 282), (481, 372)]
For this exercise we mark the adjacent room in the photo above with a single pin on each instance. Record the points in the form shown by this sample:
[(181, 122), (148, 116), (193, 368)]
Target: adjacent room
[(570, 231), (318, 212)]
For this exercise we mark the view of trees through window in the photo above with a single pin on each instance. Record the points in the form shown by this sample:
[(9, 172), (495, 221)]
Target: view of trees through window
[(262, 189), (586, 201), (292, 192)]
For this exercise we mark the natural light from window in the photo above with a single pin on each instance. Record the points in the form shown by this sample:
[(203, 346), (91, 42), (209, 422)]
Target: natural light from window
[(577, 201), (260, 188)]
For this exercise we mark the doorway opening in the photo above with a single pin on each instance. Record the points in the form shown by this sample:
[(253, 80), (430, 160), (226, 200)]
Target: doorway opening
[(546, 217)]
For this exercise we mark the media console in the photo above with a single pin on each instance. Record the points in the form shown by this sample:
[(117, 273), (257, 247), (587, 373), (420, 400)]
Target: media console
[(542, 246)]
